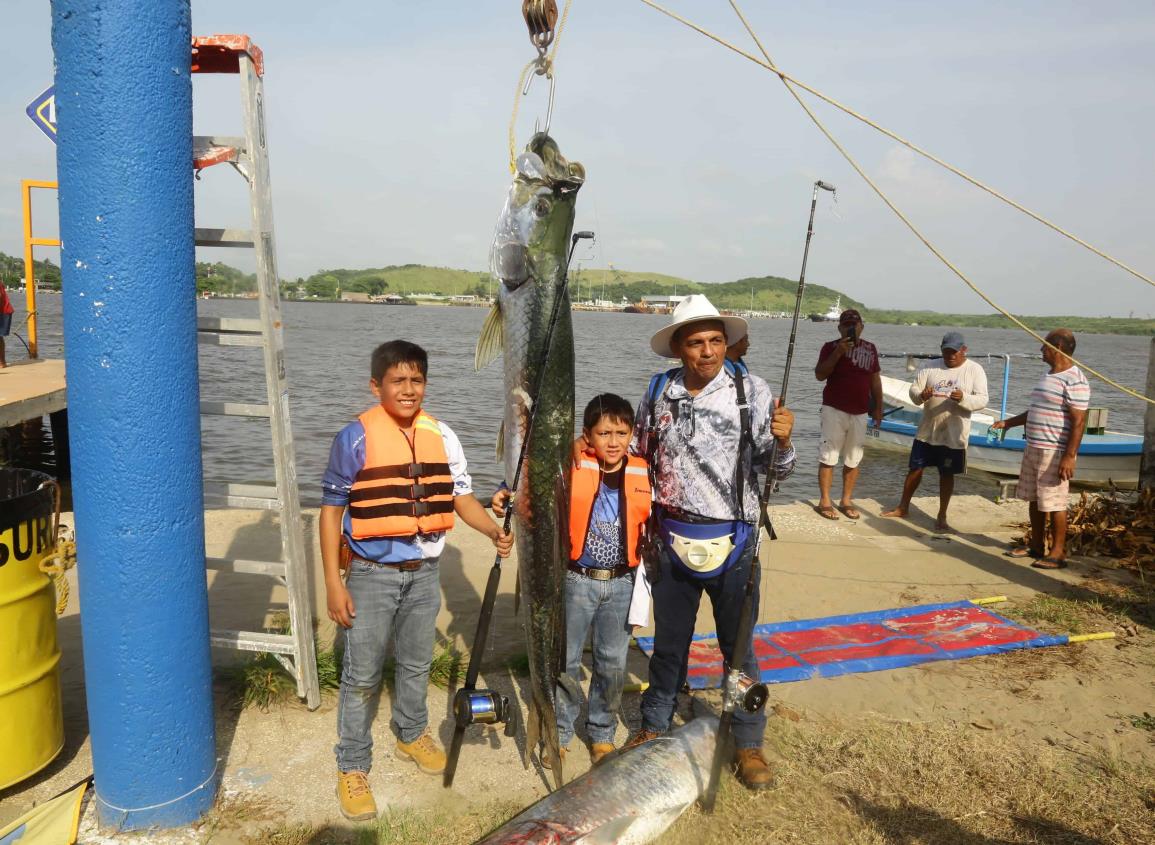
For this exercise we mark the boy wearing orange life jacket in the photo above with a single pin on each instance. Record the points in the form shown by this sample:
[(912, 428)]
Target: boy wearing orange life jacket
[(396, 478), (609, 504)]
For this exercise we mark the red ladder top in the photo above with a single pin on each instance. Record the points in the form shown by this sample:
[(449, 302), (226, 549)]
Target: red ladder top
[(221, 54)]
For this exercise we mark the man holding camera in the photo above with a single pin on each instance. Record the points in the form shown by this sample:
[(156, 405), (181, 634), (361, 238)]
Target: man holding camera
[(849, 366)]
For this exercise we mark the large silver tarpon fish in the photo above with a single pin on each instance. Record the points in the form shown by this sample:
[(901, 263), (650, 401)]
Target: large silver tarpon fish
[(629, 799), (529, 260)]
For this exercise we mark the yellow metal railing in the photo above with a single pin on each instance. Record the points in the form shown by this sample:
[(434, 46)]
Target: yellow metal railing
[(26, 186)]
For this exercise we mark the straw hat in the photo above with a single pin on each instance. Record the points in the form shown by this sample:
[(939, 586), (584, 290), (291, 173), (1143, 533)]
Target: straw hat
[(694, 309)]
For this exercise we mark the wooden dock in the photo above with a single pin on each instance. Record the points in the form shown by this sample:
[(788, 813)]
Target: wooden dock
[(31, 389)]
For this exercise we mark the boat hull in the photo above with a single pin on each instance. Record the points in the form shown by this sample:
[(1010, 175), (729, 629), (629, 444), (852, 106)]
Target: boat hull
[(1110, 459)]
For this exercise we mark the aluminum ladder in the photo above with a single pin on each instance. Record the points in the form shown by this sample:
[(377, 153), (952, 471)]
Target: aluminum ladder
[(248, 155)]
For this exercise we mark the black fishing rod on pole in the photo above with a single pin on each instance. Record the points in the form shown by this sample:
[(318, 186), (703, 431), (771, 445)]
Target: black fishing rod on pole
[(735, 685), (472, 706)]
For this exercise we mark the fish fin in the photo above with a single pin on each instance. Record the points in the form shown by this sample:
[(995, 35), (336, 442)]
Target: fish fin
[(517, 593), (552, 747), (489, 342), (612, 831), (499, 450)]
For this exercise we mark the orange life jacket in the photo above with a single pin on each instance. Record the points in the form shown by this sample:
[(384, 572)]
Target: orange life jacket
[(634, 501), (404, 487)]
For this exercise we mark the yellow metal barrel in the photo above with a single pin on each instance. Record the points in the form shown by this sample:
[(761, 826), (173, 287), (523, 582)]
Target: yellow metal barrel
[(31, 727)]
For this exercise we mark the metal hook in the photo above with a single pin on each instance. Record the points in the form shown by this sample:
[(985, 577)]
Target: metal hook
[(543, 69)]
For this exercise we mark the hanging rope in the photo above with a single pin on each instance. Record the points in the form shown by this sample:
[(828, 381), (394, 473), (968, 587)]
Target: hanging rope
[(61, 557), (787, 78), (769, 65), (537, 19)]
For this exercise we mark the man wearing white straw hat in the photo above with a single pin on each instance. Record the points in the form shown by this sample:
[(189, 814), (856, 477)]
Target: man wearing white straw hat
[(704, 427)]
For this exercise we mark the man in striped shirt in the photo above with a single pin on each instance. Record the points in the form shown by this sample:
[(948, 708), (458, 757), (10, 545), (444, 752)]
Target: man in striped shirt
[(1055, 423)]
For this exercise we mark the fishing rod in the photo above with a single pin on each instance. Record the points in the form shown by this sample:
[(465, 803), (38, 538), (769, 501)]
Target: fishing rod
[(472, 706), (736, 687)]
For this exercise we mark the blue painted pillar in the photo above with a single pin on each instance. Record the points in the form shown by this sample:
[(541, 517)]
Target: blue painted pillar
[(124, 160)]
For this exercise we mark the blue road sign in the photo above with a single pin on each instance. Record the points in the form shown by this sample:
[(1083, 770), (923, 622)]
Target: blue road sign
[(42, 110)]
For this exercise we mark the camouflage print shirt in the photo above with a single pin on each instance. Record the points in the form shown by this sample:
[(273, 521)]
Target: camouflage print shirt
[(697, 446)]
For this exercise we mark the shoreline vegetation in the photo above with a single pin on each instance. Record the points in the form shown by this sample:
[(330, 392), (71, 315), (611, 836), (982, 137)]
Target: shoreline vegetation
[(611, 288)]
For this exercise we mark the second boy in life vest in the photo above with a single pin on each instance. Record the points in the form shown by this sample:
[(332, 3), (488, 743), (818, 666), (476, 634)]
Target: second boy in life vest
[(609, 505)]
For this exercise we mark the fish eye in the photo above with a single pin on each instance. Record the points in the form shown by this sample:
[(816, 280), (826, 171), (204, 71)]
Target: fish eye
[(542, 206)]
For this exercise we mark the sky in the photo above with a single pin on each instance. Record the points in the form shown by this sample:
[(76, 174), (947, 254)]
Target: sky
[(388, 139)]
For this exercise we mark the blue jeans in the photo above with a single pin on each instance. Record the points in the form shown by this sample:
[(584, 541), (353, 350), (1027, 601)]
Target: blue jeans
[(676, 597), (388, 602), (603, 606)]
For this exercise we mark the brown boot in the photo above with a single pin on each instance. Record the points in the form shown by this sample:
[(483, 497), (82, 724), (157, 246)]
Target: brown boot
[(598, 751), (425, 752), (641, 736), (545, 761), (355, 796), (752, 769)]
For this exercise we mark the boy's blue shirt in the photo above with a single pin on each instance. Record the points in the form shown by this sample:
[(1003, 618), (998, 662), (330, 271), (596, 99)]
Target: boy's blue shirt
[(603, 545), (347, 457)]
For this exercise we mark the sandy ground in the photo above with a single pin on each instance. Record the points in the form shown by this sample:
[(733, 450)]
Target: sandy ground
[(817, 568)]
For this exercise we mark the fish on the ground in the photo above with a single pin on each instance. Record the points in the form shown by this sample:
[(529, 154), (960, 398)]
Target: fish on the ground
[(629, 799), (529, 258)]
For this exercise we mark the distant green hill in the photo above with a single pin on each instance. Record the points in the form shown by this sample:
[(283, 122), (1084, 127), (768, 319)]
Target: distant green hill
[(1091, 325), (46, 273), (770, 293)]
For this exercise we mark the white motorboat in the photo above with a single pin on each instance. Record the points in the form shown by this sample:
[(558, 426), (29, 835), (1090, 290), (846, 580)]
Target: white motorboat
[(832, 313), (1107, 458)]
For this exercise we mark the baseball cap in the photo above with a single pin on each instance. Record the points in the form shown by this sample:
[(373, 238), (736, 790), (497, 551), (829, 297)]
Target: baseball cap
[(850, 315), (953, 340)]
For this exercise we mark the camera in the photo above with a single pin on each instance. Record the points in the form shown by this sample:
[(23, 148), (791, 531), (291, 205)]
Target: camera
[(852, 335)]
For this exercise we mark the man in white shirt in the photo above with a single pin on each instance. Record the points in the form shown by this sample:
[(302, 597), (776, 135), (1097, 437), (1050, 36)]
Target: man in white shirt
[(949, 389)]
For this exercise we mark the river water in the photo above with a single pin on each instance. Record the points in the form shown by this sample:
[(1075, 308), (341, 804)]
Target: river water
[(327, 362)]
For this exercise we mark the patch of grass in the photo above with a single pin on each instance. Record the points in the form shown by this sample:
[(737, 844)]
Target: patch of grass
[(458, 825), (445, 827), (518, 664), (1146, 722), (1096, 604), (447, 667), (262, 682), (1063, 615), (236, 810), (875, 782), (309, 834)]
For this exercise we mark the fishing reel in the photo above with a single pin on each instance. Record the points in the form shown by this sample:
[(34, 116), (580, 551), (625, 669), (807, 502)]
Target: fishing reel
[(484, 707), (745, 692)]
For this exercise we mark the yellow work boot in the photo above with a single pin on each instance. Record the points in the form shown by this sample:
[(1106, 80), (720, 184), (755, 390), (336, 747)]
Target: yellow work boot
[(598, 750), (545, 763), (423, 751), (355, 796), (752, 769)]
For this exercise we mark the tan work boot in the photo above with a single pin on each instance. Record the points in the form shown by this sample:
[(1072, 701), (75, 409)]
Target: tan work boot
[(598, 751), (637, 739), (545, 763), (423, 751), (752, 769), (355, 796)]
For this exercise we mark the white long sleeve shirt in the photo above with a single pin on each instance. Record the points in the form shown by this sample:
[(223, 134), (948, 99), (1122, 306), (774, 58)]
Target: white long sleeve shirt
[(946, 422)]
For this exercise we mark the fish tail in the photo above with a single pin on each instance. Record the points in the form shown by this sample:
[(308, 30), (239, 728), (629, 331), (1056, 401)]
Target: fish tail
[(532, 731), (552, 751)]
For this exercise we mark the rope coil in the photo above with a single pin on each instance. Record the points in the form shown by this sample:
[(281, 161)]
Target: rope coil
[(62, 555)]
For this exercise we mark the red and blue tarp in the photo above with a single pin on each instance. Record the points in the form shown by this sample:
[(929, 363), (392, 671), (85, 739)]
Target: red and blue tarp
[(866, 642)]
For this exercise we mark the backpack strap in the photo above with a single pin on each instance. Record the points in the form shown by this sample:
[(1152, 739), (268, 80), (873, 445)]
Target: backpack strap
[(655, 392), (746, 437)]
